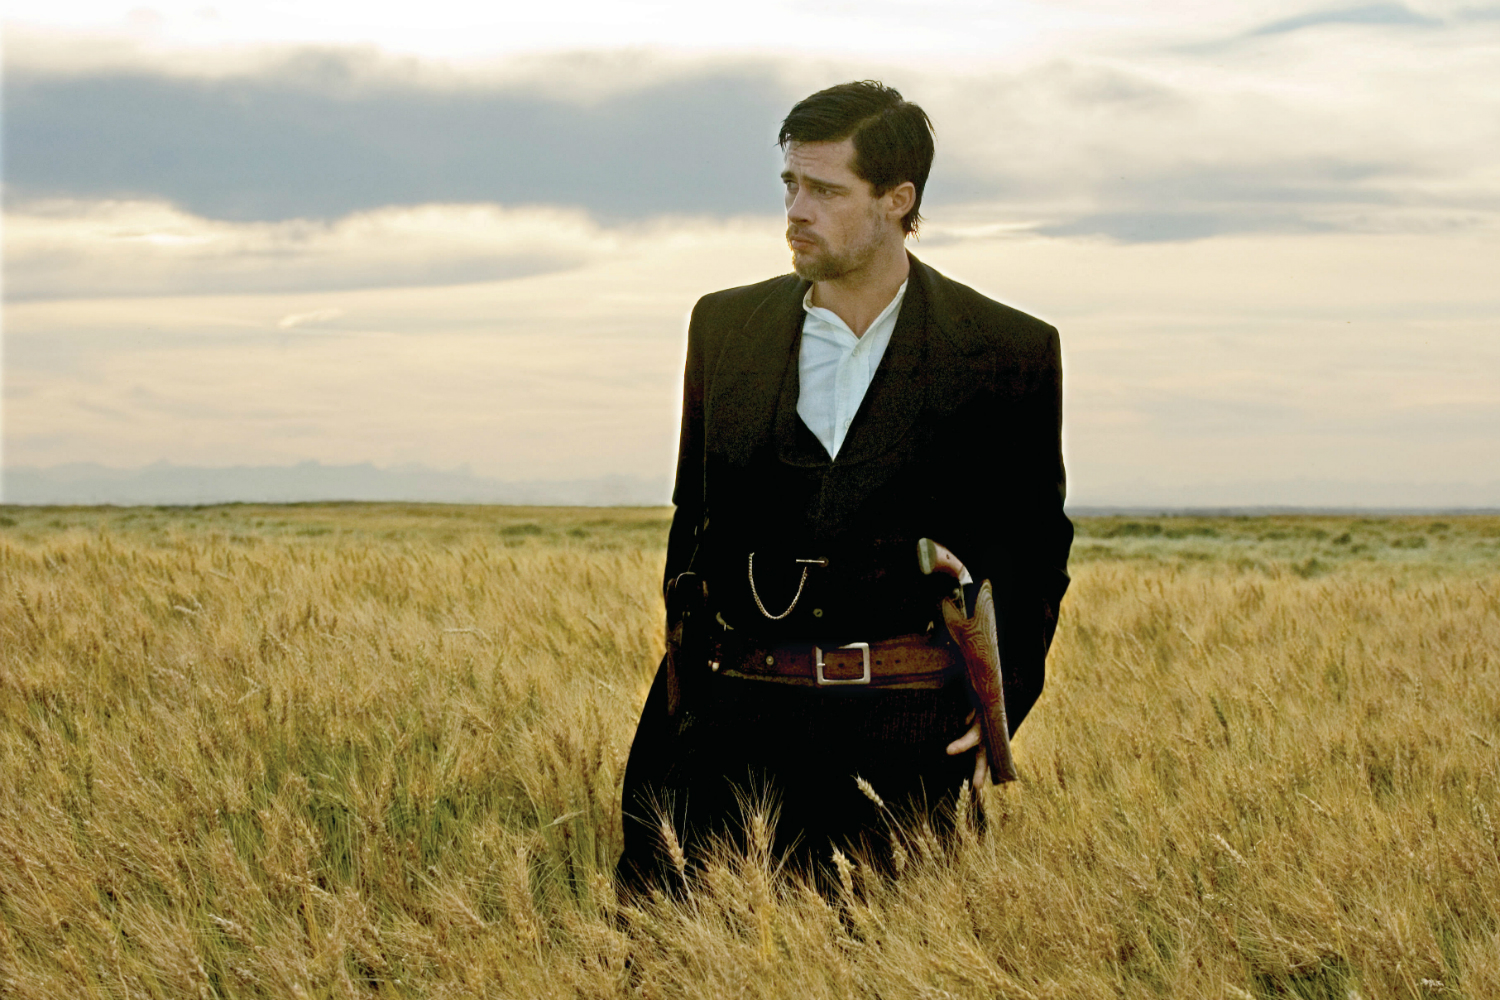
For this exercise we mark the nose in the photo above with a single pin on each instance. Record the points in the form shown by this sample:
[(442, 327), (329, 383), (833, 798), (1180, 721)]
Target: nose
[(798, 208)]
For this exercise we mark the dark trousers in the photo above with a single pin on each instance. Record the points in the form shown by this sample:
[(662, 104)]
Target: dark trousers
[(737, 746)]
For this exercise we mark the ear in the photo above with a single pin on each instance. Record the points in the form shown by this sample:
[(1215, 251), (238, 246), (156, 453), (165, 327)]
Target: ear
[(900, 199)]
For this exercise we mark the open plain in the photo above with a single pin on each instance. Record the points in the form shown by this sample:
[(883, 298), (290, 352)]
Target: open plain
[(375, 750)]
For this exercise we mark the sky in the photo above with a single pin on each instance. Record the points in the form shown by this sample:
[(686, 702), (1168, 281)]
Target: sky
[(465, 238)]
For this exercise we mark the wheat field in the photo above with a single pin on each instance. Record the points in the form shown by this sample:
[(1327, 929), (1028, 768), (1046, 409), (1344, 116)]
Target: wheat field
[(375, 751)]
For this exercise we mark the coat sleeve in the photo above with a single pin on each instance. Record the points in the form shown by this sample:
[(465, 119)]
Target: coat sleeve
[(1042, 533), (687, 490), (1047, 551), (1023, 535)]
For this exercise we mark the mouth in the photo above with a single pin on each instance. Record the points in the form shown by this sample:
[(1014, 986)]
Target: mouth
[(797, 242)]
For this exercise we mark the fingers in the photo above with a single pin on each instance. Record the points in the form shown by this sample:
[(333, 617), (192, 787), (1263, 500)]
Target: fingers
[(981, 770), (966, 742)]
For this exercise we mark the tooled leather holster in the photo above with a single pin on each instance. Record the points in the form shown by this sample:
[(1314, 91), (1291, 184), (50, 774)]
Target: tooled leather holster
[(978, 638)]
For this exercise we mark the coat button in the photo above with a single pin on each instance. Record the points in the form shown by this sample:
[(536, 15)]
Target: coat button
[(817, 612), (770, 661)]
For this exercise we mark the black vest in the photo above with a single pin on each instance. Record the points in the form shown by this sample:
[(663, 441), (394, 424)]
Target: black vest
[(790, 501)]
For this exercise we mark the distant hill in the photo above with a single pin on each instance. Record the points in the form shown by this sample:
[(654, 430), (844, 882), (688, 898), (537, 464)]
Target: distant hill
[(1259, 497), (163, 483)]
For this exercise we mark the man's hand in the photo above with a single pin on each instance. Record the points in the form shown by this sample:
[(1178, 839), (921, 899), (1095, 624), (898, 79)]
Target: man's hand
[(968, 741)]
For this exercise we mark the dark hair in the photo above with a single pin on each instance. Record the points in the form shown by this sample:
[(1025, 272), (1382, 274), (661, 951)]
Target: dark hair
[(892, 137)]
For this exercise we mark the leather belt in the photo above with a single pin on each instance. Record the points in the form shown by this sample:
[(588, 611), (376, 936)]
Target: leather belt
[(906, 661)]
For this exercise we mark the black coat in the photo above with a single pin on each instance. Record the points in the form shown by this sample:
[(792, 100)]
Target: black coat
[(958, 438)]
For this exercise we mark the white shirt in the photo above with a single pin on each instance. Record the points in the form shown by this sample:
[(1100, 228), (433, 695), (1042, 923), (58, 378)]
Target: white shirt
[(834, 367)]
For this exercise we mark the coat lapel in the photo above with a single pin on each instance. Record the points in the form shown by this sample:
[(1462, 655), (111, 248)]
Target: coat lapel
[(746, 384), (946, 315)]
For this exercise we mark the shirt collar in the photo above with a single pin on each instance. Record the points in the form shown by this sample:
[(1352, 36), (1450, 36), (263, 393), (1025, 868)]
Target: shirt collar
[(830, 316)]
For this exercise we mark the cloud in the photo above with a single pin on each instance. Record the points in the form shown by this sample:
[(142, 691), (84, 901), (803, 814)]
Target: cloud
[(1252, 357), (1383, 14), (1155, 227), (569, 374), (1285, 135), (321, 135), (1384, 135), (293, 320), (1270, 260), (1194, 203), (90, 249)]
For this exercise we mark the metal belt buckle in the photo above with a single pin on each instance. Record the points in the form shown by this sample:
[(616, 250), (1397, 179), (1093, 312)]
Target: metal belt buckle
[(863, 647)]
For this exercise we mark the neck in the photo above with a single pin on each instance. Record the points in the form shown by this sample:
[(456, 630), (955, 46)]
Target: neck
[(860, 296)]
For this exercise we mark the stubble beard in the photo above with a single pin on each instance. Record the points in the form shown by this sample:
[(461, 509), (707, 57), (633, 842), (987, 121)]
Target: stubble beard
[(826, 267), (823, 264)]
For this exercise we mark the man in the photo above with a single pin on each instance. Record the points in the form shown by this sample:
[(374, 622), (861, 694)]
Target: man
[(831, 419)]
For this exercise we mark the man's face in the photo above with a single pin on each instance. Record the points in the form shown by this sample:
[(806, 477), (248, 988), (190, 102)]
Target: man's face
[(835, 225)]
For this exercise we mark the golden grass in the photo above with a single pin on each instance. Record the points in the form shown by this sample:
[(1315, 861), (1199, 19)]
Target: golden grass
[(325, 751)]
